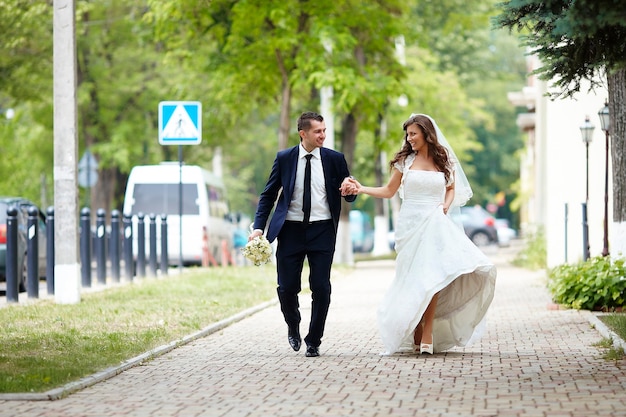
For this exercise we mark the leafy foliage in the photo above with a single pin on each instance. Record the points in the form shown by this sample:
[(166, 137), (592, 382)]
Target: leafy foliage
[(575, 39), (533, 256), (234, 56), (598, 283)]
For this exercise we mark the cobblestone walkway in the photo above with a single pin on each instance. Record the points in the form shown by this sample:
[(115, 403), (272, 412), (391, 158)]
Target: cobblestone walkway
[(532, 361)]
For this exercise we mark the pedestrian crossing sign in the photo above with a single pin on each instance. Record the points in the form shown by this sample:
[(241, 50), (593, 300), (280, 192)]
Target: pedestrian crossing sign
[(180, 122)]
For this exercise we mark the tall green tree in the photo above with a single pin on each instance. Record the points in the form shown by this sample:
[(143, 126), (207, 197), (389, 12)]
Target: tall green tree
[(121, 79), (487, 64), (26, 88), (578, 40), (25, 49), (496, 163), (277, 55)]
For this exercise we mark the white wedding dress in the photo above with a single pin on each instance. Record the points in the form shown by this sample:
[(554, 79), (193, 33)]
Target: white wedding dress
[(433, 255)]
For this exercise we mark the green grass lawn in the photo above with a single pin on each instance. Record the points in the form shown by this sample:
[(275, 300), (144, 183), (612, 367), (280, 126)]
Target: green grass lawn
[(44, 345), (616, 322)]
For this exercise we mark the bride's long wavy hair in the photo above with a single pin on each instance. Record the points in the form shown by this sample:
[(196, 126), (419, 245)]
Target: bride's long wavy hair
[(435, 149)]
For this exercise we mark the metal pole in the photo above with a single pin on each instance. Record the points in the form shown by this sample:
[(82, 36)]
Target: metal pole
[(587, 172), (164, 256), (586, 247), (12, 283), (141, 246), (585, 234), (180, 209), (566, 221), (114, 248), (85, 246), (605, 247), (152, 260), (101, 261), (50, 250), (32, 261), (129, 263)]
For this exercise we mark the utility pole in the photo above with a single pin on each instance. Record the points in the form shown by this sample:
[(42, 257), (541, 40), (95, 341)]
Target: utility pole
[(66, 261)]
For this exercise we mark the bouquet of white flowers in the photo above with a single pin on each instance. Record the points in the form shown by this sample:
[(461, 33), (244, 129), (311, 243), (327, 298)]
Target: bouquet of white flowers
[(258, 250)]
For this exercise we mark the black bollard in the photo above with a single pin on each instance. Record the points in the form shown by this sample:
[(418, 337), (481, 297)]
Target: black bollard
[(85, 246), (11, 256), (101, 260), (32, 250), (164, 255), (585, 233), (129, 263), (153, 245), (50, 250), (114, 249), (141, 246)]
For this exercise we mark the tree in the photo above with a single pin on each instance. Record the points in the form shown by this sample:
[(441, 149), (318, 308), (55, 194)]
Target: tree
[(496, 164), (26, 49), (121, 79), (273, 53), (254, 65), (579, 40)]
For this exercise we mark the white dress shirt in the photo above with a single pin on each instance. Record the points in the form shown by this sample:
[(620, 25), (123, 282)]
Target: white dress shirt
[(319, 201)]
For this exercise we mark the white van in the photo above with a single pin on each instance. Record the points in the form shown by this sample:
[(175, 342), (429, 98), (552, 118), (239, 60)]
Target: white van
[(154, 189)]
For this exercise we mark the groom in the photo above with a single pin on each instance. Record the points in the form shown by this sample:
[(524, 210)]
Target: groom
[(305, 222)]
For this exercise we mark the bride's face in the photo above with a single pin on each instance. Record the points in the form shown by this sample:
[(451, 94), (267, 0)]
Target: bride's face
[(415, 137)]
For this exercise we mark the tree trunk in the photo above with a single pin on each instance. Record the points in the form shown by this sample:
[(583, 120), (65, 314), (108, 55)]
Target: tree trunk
[(617, 110), (349, 129), (344, 253), (285, 103), (381, 216), (102, 194)]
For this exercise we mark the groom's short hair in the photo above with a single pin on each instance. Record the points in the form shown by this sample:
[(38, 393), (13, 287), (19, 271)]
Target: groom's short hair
[(304, 121)]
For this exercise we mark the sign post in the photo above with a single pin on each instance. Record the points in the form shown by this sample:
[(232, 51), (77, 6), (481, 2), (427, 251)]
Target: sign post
[(180, 123)]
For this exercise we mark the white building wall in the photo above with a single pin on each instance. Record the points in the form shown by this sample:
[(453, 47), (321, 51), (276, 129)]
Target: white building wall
[(553, 169), (561, 176)]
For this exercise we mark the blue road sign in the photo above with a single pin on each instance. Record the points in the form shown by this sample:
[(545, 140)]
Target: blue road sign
[(180, 122)]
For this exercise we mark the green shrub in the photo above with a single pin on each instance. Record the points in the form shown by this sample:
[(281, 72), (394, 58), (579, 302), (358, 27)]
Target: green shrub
[(533, 256), (596, 284)]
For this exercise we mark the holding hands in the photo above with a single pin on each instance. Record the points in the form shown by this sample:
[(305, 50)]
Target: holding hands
[(350, 186)]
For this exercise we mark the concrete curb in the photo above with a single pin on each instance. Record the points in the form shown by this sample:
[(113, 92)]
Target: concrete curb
[(604, 330), (67, 389)]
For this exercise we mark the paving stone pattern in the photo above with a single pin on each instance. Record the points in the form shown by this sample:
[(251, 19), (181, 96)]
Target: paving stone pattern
[(532, 361)]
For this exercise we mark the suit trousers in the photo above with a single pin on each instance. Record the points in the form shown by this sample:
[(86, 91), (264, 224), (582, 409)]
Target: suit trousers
[(315, 242)]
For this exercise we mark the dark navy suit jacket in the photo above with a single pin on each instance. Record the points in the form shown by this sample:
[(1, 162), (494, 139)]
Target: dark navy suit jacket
[(283, 177)]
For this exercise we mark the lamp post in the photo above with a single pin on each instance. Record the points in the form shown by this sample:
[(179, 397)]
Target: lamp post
[(605, 124), (586, 131)]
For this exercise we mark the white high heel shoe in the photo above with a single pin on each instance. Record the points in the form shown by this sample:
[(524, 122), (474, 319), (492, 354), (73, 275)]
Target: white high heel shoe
[(426, 347)]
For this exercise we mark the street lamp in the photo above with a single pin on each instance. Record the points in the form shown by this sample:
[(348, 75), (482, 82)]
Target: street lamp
[(605, 124), (586, 130)]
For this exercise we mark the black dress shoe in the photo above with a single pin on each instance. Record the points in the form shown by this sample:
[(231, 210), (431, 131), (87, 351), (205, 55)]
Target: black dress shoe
[(312, 351), (295, 341)]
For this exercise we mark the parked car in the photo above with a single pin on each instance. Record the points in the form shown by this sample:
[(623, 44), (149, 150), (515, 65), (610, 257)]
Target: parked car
[(505, 233), (22, 206), (479, 225)]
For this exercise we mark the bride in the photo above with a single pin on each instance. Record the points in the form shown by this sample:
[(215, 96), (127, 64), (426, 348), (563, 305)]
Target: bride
[(443, 283)]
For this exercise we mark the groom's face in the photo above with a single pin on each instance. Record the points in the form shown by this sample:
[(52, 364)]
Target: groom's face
[(314, 136)]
